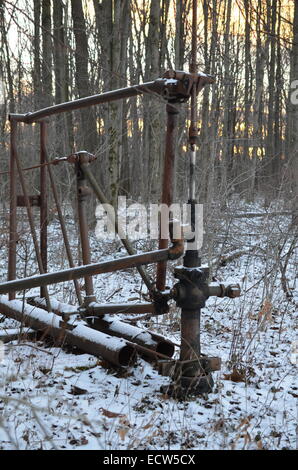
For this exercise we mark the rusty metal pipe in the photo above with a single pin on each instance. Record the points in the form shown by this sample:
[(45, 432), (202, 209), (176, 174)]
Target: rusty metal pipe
[(134, 334), (168, 184), (83, 193), (115, 350), (102, 309), (123, 93), (190, 334), (94, 309), (91, 269), (162, 346), (43, 202), (13, 208), (32, 226)]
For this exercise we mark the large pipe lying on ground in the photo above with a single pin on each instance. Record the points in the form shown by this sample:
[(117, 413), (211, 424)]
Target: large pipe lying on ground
[(113, 326), (115, 350), (59, 308), (11, 334), (147, 339)]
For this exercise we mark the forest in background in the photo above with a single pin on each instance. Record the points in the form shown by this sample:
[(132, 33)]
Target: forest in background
[(55, 51)]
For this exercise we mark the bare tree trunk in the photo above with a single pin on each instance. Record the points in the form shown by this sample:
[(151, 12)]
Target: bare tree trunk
[(258, 107), (36, 51), (152, 112), (226, 157), (292, 125), (88, 132), (112, 18), (47, 97), (270, 147)]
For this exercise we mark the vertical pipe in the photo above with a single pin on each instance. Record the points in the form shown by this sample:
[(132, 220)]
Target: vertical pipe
[(83, 193), (43, 201), (190, 335), (32, 226), (168, 184), (191, 319), (13, 207)]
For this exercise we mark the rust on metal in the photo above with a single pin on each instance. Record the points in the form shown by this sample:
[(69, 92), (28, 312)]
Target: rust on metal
[(13, 207), (134, 334), (43, 201), (120, 353), (168, 185), (83, 193), (32, 226), (103, 309), (156, 86), (82, 271)]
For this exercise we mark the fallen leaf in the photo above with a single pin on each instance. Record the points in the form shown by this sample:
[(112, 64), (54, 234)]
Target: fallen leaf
[(235, 376), (44, 370), (147, 426), (122, 433), (219, 424), (265, 313), (77, 390), (111, 414), (245, 422), (260, 445)]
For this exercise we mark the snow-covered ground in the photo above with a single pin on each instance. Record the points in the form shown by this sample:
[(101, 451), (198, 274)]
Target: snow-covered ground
[(52, 398)]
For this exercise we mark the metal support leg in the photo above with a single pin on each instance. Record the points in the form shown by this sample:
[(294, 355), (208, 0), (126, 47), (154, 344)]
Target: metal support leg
[(83, 192), (168, 184), (43, 202), (13, 208)]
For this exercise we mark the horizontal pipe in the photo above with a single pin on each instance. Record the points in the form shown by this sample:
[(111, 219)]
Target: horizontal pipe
[(94, 309), (122, 93), (115, 350), (82, 271), (59, 308), (11, 334), (145, 342), (152, 341), (102, 309)]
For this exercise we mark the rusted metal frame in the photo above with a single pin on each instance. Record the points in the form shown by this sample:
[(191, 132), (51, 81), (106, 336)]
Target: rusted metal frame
[(115, 350), (43, 201), (103, 200), (83, 193), (13, 207), (32, 226), (90, 270), (156, 86), (168, 183), (63, 230)]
